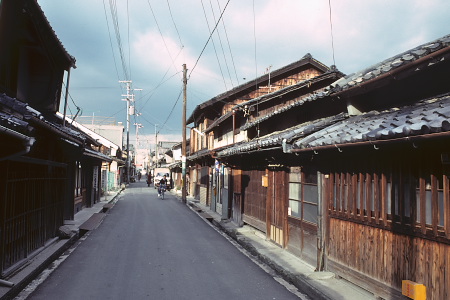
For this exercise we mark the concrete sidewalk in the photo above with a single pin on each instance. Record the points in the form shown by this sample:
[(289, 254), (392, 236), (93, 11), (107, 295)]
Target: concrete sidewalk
[(39, 261), (318, 285)]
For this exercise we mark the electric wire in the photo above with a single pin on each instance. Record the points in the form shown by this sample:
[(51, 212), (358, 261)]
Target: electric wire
[(175, 25), (110, 41), (229, 47), (172, 110), (206, 44), (159, 84), (162, 81), (256, 63), (162, 37), (214, 46), (115, 21), (221, 44), (129, 47), (331, 27)]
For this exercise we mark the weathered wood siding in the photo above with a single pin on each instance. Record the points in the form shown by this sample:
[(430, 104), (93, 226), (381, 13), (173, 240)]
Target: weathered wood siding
[(237, 207), (390, 257), (254, 197), (389, 219), (277, 206)]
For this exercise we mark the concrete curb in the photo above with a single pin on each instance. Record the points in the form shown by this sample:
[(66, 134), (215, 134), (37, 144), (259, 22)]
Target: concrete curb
[(302, 283), (18, 287)]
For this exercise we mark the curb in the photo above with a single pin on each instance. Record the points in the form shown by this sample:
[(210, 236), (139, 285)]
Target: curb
[(22, 284), (18, 287), (301, 282)]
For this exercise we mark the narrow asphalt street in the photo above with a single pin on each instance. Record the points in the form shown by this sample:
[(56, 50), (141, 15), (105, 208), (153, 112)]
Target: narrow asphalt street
[(148, 248)]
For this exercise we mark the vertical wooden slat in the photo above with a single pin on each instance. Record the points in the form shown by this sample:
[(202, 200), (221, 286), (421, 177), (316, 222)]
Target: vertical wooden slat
[(348, 192), (423, 211), (444, 270), (434, 204), (384, 199), (361, 196), (446, 206), (376, 198), (401, 196), (269, 203), (368, 196), (354, 194), (338, 193)]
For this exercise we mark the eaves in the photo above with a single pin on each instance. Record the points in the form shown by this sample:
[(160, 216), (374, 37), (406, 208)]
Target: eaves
[(427, 119), (282, 92), (418, 58), (97, 155), (47, 34), (280, 139), (248, 86)]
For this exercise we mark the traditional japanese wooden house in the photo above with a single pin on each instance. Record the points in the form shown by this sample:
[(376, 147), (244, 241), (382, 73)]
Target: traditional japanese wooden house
[(384, 174), (366, 191), (235, 117), (40, 157)]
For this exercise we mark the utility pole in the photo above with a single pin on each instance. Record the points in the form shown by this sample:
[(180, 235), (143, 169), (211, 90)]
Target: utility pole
[(156, 146), (128, 96), (138, 125), (183, 146)]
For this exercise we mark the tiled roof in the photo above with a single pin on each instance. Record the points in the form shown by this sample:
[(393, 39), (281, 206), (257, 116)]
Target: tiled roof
[(425, 117), (299, 101), (12, 106), (276, 139), (97, 155), (199, 154), (251, 84), (393, 63)]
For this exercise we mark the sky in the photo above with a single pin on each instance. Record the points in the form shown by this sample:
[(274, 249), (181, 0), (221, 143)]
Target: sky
[(148, 41)]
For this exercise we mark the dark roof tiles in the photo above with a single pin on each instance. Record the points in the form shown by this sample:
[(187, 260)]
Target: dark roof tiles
[(391, 64), (422, 118)]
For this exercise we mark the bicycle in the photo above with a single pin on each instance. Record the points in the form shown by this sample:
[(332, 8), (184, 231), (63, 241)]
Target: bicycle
[(161, 190)]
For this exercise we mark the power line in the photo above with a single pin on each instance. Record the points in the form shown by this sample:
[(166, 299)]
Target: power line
[(160, 32), (129, 47), (229, 47), (332, 39), (115, 21), (206, 44), (173, 21), (173, 108), (214, 46), (110, 41), (220, 42)]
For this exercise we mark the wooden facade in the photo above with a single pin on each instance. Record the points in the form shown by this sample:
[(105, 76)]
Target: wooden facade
[(48, 170), (254, 198), (388, 217), (351, 175)]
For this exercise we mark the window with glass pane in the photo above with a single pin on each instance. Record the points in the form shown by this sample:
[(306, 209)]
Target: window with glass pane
[(295, 191), (310, 212), (295, 208)]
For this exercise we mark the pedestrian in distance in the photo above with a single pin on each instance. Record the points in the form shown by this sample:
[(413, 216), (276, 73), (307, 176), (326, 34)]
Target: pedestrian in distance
[(149, 179)]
